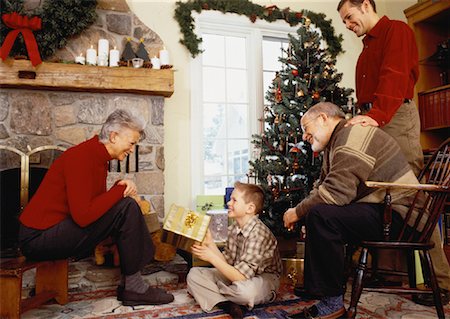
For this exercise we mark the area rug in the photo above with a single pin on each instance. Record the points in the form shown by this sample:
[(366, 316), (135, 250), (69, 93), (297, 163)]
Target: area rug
[(104, 305)]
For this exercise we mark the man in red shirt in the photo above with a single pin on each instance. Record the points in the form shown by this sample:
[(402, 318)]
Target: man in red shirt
[(386, 73), (72, 211)]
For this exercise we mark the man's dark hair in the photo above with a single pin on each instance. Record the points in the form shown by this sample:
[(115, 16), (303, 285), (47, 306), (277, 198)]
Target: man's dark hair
[(356, 3)]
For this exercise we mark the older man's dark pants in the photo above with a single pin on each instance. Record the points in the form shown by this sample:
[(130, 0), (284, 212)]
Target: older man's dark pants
[(328, 229), (124, 222)]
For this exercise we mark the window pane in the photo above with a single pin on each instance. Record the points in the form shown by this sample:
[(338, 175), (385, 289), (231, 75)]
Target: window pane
[(271, 54), (237, 154), (236, 86), (214, 157), (214, 50), (268, 77), (213, 84), (237, 118), (215, 185), (214, 121), (236, 57)]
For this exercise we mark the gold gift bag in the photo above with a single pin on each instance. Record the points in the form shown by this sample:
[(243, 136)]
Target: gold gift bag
[(183, 227), (293, 271)]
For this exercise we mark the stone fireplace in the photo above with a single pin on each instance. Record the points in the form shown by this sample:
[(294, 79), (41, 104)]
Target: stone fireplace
[(66, 110)]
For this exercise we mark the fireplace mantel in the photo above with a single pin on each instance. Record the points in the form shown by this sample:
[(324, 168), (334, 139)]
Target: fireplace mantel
[(75, 77)]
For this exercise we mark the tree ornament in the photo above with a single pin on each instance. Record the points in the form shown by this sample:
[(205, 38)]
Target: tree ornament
[(298, 15), (307, 22), (294, 72), (316, 95), (295, 165), (205, 6), (253, 17), (278, 96), (277, 119)]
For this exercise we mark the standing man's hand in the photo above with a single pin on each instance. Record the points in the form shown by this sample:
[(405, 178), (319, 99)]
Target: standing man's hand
[(290, 218), (130, 190), (364, 120)]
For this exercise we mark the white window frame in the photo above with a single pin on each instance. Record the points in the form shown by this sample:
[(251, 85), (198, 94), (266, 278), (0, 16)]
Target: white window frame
[(231, 25)]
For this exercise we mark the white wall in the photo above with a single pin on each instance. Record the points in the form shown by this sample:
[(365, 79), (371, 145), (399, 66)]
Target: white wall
[(158, 16)]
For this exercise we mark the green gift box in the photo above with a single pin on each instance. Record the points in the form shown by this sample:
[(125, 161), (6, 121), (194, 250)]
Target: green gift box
[(183, 227), (209, 202)]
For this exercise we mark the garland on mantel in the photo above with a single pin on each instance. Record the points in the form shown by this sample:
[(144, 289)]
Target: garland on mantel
[(61, 19), (252, 11)]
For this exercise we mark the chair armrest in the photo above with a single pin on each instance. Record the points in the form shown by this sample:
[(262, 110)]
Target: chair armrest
[(425, 187)]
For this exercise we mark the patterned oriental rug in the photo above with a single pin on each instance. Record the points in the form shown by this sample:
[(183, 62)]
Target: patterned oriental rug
[(103, 305)]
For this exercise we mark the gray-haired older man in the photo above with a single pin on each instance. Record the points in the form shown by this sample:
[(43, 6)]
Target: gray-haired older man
[(341, 209), (72, 211)]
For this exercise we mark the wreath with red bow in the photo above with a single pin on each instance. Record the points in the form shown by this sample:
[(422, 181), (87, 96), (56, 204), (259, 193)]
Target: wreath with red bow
[(46, 28)]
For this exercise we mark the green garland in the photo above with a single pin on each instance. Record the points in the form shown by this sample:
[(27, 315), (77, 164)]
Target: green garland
[(61, 19), (253, 11)]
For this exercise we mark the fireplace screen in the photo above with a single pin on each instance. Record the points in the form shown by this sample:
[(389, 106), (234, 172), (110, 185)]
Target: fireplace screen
[(20, 175)]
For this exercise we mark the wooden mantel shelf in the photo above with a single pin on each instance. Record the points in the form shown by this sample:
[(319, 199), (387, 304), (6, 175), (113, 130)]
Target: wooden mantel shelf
[(75, 77)]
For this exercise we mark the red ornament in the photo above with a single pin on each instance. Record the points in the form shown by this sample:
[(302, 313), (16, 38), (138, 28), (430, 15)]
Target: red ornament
[(205, 6), (316, 95), (299, 15), (294, 72), (21, 24), (253, 17)]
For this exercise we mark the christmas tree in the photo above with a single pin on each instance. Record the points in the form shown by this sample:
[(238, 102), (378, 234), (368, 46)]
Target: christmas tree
[(128, 53), (286, 166), (142, 52)]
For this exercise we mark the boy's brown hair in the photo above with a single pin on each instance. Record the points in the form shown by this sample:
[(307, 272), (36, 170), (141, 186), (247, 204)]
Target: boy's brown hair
[(252, 194)]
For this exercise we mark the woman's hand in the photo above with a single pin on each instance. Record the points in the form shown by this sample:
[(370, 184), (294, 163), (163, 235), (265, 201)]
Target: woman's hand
[(130, 189)]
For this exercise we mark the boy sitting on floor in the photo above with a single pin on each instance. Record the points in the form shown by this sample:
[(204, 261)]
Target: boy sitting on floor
[(247, 273)]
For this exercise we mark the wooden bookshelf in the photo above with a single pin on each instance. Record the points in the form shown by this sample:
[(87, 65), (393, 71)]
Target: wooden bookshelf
[(429, 20), (76, 77)]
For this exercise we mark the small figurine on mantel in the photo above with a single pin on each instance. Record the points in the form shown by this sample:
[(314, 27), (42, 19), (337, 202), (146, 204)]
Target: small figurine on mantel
[(128, 54), (143, 54)]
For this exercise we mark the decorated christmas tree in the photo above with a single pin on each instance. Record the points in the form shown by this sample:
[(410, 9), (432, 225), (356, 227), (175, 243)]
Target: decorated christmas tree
[(286, 166)]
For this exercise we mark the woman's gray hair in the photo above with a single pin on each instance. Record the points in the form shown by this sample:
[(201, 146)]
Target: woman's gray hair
[(117, 121), (330, 109)]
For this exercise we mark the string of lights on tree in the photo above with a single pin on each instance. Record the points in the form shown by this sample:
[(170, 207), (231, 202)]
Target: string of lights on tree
[(286, 167)]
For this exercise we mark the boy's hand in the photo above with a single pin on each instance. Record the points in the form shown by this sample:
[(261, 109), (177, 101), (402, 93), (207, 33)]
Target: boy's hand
[(203, 252)]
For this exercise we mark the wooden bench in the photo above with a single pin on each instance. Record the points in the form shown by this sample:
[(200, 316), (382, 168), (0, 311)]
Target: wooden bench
[(51, 282)]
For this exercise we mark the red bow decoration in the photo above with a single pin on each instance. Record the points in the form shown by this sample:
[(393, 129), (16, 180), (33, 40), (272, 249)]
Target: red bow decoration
[(25, 25)]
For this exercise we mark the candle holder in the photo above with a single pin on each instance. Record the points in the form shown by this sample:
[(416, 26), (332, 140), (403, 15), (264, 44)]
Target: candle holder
[(138, 62)]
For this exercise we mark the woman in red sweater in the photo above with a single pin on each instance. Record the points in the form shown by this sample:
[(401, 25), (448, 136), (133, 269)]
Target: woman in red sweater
[(72, 211)]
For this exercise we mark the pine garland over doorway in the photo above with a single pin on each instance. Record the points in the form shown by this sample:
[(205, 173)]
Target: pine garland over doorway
[(270, 13), (61, 19)]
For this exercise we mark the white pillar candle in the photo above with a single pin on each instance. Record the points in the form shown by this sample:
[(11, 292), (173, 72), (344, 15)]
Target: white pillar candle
[(114, 57), (80, 59), (91, 56), (103, 49), (156, 64), (164, 57)]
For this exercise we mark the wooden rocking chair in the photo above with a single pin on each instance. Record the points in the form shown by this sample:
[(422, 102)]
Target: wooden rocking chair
[(436, 190)]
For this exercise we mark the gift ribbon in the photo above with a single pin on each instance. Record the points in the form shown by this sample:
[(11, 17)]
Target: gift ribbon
[(21, 24)]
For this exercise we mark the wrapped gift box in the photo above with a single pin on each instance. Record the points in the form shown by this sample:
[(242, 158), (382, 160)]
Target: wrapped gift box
[(209, 202), (218, 224), (183, 227)]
